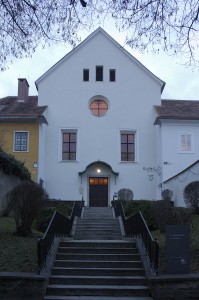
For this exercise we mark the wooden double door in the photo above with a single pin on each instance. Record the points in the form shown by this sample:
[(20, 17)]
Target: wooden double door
[(98, 191)]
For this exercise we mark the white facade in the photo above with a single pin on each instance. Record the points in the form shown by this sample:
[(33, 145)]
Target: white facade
[(178, 159), (175, 158), (178, 183), (130, 98)]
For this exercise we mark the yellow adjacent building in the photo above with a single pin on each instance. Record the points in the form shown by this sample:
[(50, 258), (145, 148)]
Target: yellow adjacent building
[(20, 119)]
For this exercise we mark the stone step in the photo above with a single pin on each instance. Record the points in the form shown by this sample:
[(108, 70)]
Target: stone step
[(96, 250), (97, 290), (96, 228), (99, 244), (92, 227), (82, 222), (98, 280), (50, 297), (97, 271), (98, 209), (97, 232), (98, 237), (97, 264), (99, 220), (98, 217), (97, 224), (96, 221), (98, 212), (95, 257)]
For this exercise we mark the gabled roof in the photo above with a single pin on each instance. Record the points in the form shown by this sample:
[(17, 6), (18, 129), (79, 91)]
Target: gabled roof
[(12, 110), (177, 110), (92, 35), (183, 171)]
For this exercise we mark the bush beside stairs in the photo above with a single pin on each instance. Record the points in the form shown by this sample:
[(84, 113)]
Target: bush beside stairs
[(97, 264)]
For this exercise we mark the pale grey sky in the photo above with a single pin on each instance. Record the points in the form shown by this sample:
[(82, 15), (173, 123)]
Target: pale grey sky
[(181, 82)]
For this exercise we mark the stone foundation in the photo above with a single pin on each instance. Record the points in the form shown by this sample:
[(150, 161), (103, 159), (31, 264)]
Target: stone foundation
[(20, 286), (175, 287)]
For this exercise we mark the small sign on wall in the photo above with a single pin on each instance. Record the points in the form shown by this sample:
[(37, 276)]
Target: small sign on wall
[(177, 249)]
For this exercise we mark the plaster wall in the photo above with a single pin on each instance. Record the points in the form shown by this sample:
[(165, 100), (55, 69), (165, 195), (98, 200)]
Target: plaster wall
[(130, 107), (7, 143), (174, 161)]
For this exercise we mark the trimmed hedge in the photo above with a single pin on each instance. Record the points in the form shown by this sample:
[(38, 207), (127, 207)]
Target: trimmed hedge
[(145, 206), (158, 214)]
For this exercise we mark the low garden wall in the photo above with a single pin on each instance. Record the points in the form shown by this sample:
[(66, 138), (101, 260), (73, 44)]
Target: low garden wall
[(175, 287), (20, 286)]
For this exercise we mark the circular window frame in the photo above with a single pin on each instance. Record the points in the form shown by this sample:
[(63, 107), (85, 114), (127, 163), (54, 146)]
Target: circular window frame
[(98, 112)]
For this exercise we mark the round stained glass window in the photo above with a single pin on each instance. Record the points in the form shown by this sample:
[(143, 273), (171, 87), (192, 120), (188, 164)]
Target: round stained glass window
[(99, 108)]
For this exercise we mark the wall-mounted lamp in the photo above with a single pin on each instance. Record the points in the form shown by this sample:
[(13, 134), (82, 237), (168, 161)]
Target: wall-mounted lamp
[(151, 177), (98, 171), (115, 195), (35, 164)]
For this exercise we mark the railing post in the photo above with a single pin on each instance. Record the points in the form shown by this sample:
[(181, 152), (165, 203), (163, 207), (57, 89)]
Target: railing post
[(39, 254)]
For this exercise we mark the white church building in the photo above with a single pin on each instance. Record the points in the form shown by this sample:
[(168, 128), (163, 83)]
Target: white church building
[(108, 128)]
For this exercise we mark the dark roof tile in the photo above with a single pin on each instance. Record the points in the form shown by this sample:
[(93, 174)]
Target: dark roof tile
[(177, 109), (10, 107)]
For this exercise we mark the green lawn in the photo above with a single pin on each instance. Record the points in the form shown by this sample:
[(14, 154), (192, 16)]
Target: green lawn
[(18, 254), (194, 246)]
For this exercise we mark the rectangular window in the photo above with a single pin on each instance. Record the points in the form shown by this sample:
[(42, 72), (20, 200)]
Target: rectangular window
[(186, 142), (112, 75), (127, 146), (99, 73), (21, 141), (86, 75), (69, 145)]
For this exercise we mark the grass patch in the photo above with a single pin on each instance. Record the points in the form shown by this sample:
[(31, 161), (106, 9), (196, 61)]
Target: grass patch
[(18, 254), (194, 246)]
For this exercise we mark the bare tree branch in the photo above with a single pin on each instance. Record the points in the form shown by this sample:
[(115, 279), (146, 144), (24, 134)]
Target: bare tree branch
[(153, 25)]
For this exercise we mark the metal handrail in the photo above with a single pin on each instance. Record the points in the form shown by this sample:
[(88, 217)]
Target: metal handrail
[(58, 226), (136, 226)]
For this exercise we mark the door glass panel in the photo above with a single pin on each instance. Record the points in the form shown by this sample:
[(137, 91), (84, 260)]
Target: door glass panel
[(98, 191)]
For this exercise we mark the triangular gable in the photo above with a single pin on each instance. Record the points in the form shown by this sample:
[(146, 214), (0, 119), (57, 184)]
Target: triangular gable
[(183, 171), (94, 33)]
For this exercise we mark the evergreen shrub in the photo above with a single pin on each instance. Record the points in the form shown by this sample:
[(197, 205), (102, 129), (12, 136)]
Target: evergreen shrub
[(46, 214), (191, 196), (145, 207), (25, 201), (166, 214), (11, 166)]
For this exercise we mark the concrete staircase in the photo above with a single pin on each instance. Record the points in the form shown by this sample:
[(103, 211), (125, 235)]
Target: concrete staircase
[(97, 266), (97, 223)]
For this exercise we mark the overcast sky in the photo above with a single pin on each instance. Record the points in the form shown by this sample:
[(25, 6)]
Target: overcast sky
[(181, 82)]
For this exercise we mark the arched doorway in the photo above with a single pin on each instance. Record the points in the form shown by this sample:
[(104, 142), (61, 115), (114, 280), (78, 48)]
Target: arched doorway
[(99, 178)]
